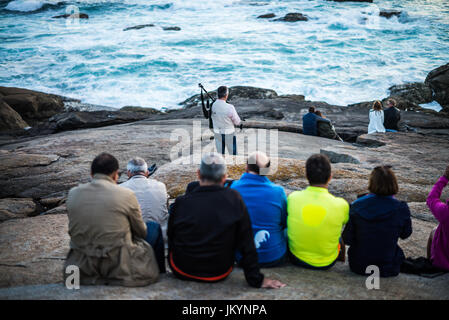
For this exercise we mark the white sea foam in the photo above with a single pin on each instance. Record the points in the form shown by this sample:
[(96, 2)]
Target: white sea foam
[(344, 54), (25, 5)]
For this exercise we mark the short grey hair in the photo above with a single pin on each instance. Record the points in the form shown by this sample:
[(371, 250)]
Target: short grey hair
[(213, 167), (222, 92), (136, 165)]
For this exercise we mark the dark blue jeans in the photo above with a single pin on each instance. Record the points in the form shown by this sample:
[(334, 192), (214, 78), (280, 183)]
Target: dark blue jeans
[(277, 263), (223, 141), (154, 238)]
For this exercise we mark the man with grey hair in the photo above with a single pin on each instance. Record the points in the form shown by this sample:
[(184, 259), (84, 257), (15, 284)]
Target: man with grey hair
[(207, 226), (224, 117), (267, 207), (151, 195)]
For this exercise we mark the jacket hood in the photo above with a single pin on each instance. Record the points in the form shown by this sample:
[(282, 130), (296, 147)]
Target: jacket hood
[(373, 207)]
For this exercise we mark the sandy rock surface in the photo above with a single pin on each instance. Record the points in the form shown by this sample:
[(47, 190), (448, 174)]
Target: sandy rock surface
[(43, 169)]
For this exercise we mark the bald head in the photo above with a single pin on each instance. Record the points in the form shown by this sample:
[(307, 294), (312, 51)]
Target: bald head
[(258, 163)]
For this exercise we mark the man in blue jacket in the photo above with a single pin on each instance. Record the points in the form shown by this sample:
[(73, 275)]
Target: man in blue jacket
[(309, 123), (267, 207)]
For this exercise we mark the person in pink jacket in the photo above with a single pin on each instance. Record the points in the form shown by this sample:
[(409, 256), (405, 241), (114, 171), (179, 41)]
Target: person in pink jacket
[(438, 244)]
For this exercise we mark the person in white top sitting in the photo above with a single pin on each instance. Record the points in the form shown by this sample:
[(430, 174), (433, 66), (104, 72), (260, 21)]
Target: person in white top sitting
[(150, 193), (376, 118), (224, 117)]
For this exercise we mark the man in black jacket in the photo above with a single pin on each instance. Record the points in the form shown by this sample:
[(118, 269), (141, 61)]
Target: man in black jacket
[(207, 225), (392, 116)]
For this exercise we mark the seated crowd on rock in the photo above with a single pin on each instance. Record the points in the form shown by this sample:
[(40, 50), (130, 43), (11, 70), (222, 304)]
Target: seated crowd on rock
[(218, 225)]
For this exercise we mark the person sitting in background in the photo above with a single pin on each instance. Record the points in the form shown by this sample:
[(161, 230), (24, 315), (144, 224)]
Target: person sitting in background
[(267, 208), (309, 126), (325, 128), (316, 219), (376, 222), (151, 194), (376, 118), (224, 117), (207, 226), (392, 116), (438, 244), (107, 231)]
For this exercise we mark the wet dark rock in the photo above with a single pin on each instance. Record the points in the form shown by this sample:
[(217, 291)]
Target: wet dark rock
[(171, 29), (237, 92), (294, 97), (293, 17), (138, 27), (438, 80), (417, 92), (243, 92), (9, 118), (275, 114), (84, 119), (370, 140), (390, 13), (140, 109), (74, 105), (258, 4), (32, 106), (335, 157), (74, 16), (266, 16)]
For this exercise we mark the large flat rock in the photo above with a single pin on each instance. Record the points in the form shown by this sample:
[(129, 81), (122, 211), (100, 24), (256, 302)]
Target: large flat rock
[(32, 269), (32, 250), (52, 164), (16, 208)]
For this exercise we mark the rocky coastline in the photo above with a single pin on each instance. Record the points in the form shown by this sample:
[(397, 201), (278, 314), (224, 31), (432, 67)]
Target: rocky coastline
[(28, 113), (40, 164)]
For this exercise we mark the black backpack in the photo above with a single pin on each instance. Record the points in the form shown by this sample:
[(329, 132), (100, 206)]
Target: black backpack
[(421, 266)]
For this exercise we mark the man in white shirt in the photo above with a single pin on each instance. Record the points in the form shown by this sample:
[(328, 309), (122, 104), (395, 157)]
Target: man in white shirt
[(224, 117), (150, 193)]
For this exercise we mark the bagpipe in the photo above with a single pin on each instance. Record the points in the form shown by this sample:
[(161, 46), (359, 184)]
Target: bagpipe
[(207, 106)]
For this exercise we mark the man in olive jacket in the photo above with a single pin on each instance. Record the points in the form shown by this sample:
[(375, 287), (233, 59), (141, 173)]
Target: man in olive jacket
[(107, 231)]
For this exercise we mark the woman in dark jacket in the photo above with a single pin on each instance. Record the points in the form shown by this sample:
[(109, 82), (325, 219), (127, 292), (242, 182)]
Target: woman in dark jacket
[(376, 222)]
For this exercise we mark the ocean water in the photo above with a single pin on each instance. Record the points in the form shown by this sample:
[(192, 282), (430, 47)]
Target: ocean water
[(344, 54)]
